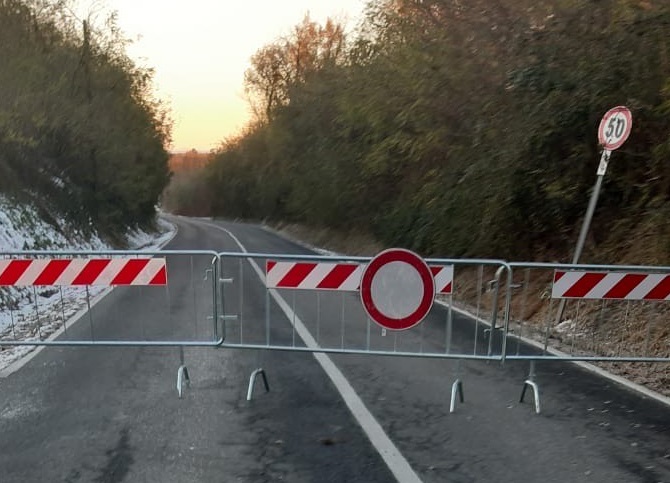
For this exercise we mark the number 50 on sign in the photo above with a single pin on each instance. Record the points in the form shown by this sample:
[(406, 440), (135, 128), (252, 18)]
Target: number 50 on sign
[(615, 128)]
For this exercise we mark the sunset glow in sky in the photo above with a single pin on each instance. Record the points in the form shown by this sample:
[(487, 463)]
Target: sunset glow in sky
[(201, 48)]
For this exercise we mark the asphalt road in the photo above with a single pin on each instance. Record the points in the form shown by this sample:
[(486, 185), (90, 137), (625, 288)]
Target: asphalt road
[(113, 415)]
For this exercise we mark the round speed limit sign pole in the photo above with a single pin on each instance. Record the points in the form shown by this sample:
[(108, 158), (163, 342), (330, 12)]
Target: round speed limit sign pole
[(613, 131)]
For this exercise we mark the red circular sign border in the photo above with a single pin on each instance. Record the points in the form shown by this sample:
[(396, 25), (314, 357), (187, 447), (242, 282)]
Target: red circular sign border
[(411, 258), (629, 126)]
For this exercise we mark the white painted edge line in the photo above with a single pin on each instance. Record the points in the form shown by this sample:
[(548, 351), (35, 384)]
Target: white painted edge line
[(584, 365), (22, 361), (389, 452), (176, 230)]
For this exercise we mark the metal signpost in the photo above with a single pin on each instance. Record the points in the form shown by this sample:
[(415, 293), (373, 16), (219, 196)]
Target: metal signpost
[(613, 131)]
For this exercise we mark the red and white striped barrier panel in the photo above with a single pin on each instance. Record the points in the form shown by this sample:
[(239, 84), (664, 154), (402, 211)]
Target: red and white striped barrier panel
[(313, 276), (336, 276), (83, 271), (443, 275), (610, 285)]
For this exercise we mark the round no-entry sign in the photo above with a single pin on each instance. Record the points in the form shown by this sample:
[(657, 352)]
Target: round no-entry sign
[(397, 289), (615, 128)]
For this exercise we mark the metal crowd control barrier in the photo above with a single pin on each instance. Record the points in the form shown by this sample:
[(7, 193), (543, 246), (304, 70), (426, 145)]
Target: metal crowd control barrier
[(318, 304), (598, 298), (40, 291), (312, 304)]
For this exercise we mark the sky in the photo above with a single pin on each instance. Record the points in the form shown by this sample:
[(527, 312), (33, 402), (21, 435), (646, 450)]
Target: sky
[(200, 49)]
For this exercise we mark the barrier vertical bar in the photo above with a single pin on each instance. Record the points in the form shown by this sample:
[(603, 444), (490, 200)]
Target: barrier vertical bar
[(62, 306), (11, 317), (37, 313), (267, 317), (547, 326), (625, 331), (449, 330), (168, 299), (241, 301), (222, 300), (90, 313), (480, 283), (494, 310), (524, 302), (318, 317), (215, 297), (293, 322), (421, 337), (195, 303), (342, 319), (506, 311)]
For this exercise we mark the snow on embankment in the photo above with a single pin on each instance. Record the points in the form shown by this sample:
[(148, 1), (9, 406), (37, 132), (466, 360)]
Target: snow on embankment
[(35, 313)]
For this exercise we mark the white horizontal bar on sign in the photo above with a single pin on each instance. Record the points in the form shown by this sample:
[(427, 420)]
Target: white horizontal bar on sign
[(336, 276), (610, 285), (83, 271)]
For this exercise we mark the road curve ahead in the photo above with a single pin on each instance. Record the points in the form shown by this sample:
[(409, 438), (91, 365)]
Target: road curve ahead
[(113, 415)]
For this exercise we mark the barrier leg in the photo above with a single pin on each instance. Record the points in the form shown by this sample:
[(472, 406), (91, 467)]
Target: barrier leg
[(530, 382), (182, 373), (456, 388), (182, 376), (252, 382)]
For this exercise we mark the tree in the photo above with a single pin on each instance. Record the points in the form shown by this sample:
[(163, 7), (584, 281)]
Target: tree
[(80, 132), (278, 67)]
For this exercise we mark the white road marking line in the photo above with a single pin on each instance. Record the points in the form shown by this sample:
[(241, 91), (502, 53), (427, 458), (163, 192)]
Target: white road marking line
[(393, 458)]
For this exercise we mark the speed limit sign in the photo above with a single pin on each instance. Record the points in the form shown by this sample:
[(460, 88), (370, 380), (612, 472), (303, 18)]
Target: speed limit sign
[(615, 128)]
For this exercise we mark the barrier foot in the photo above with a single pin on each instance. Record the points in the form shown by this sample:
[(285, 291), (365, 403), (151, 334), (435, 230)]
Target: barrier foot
[(456, 388), (536, 393), (530, 382), (252, 381), (182, 377)]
